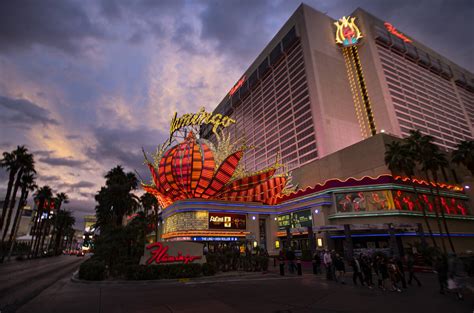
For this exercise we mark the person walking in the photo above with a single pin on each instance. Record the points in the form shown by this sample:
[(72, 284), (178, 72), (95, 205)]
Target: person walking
[(290, 256), (457, 276), (327, 259), (394, 275), (317, 262), (401, 272), (366, 266), (340, 269), (357, 271), (383, 269), (411, 270), (376, 266), (441, 268)]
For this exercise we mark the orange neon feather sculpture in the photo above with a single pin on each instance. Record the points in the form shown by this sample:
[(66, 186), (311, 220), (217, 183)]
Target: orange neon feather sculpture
[(188, 170)]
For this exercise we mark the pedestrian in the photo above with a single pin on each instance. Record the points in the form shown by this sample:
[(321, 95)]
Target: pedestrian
[(290, 256), (457, 276), (366, 266), (333, 268), (401, 272), (317, 262), (356, 271), (441, 268), (393, 271), (383, 269), (376, 266), (411, 270), (327, 259), (340, 269)]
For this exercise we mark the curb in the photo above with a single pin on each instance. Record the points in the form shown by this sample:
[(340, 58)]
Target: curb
[(75, 279)]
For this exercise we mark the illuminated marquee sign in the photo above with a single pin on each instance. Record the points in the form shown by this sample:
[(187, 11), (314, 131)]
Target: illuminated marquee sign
[(215, 238), (347, 32), (172, 252), (227, 221), (199, 118), (395, 32), (237, 86)]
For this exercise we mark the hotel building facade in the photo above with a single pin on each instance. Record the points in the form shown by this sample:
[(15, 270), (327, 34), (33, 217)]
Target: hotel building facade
[(306, 97), (329, 109)]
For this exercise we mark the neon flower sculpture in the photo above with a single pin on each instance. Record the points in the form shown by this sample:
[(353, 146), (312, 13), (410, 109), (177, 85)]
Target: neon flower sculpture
[(194, 168)]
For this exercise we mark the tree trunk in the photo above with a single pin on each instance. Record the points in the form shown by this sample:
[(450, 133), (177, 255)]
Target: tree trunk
[(433, 198), (423, 209), (53, 233), (442, 214), (36, 225), (12, 205), (17, 220), (11, 179)]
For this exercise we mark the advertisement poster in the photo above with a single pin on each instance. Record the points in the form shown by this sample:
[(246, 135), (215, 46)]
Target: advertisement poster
[(227, 221)]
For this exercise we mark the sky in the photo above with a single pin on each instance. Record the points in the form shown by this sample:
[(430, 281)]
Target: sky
[(86, 84)]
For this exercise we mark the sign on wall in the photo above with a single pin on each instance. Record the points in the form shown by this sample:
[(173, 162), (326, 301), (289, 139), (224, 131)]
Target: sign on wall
[(295, 220), (173, 252), (227, 221)]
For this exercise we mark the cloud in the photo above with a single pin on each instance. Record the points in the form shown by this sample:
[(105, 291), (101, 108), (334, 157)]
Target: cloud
[(63, 25), (81, 184), (62, 161), (23, 112), (124, 147), (51, 178)]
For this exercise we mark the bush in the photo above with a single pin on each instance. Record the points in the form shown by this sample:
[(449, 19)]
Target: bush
[(92, 269), (208, 269)]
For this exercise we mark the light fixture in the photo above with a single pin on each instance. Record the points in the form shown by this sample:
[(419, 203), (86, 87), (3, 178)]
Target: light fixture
[(467, 187), (382, 130), (253, 217), (275, 218), (320, 242), (255, 244), (316, 211)]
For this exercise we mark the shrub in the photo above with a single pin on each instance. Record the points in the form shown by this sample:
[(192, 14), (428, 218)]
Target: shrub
[(208, 269), (92, 269)]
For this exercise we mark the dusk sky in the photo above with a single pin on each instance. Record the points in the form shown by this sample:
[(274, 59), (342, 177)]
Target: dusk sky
[(86, 84)]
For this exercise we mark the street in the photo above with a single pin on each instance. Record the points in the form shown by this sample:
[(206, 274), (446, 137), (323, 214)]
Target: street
[(22, 281), (254, 292)]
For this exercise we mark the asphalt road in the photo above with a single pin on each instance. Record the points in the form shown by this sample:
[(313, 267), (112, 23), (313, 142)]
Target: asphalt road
[(257, 293), (22, 281)]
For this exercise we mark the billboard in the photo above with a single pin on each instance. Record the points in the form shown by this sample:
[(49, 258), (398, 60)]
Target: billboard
[(227, 221), (295, 220)]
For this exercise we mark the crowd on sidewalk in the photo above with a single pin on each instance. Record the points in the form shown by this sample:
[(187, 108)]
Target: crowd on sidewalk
[(387, 273)]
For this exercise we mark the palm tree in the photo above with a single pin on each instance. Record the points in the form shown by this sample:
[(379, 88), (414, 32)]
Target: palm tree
[(42, 197), (26, 163), (27, 184), (58, 201), (399, 158), (149, 202), (9, 162), (115, 200), (63, 221), (433, 162), (464, 154), (422, 147)]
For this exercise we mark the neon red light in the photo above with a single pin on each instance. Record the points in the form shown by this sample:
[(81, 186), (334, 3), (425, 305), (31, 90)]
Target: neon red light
[(237, 86), (395, 32), (159, 255)]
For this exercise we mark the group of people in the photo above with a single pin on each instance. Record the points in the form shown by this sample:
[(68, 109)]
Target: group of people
[(389, 272)]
